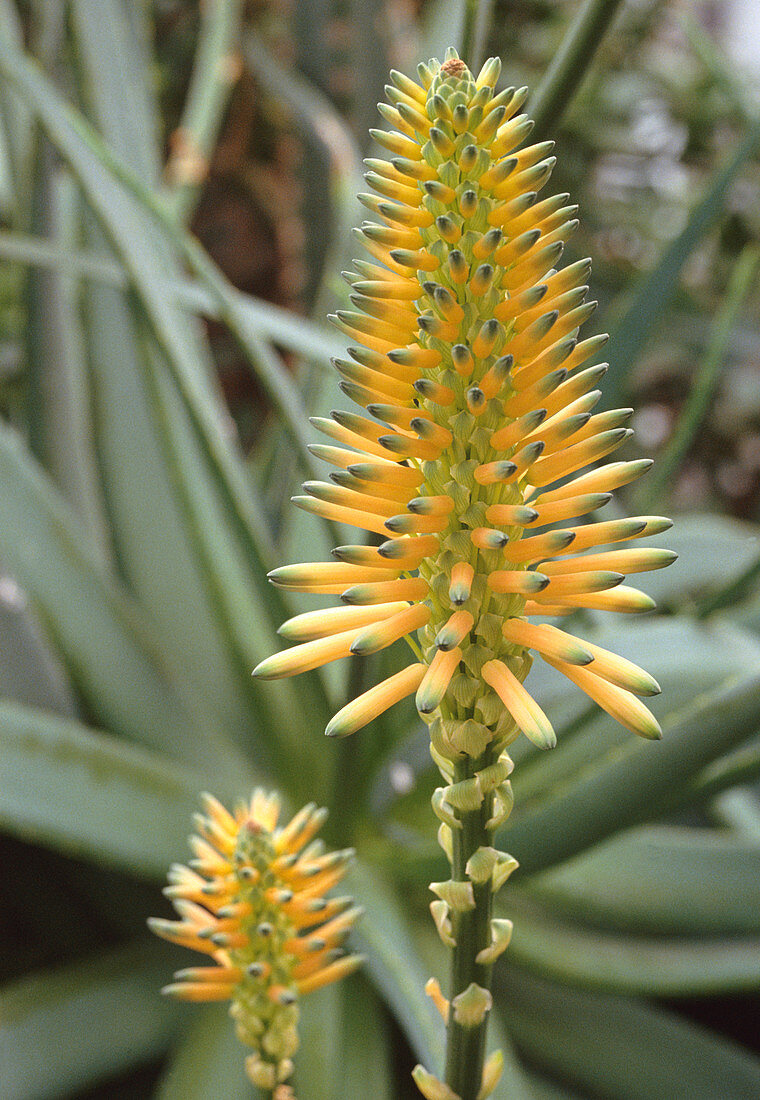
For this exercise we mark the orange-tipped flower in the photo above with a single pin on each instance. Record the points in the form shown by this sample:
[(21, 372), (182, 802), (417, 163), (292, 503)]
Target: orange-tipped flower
[(253, 900), (480, 426)]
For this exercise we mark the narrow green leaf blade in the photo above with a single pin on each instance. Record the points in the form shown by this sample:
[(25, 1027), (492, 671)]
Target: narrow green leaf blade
[(141, 423), (60, 394), (593, 1042), (92, 796), (365, 1049), (657, 289), (712, 877), (68, 1029), (569, 66), (261, 319), (211, 80), (117, 82), (30, 672), (393, 964), (704, 382), (637, 781), (209, 1062), (116, 663), (652, 966)]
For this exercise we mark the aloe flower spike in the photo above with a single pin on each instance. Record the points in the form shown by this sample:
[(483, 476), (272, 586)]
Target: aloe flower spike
[(253, 900), (477, 465)]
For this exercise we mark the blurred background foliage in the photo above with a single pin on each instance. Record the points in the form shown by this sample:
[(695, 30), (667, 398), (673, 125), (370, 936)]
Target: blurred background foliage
[(154, 393)]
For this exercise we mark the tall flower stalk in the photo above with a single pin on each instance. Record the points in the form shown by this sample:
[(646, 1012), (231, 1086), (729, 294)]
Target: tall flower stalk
[(466, 356)]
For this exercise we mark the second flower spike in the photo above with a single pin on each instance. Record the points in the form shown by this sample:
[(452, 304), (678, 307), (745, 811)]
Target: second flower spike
[(253, 901)]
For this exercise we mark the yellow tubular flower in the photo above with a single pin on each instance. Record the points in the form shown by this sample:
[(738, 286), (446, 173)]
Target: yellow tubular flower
[(253, 900), (469, 464), (467, 357)]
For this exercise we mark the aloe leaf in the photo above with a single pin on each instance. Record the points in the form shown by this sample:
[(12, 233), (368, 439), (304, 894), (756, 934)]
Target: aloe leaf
[(713, 883), (652, 966), (114, 659), (17, 123), (66, 1029), (542, 1089), (285, 711), (121, 94), (657, 289), (238, 545), (95, 796), (383, 935), (637, 781), (156, 547), (141, 423), (60, 415), (30, 671), (739, 810), (215, 69), (443, 26), (476, 33), (618, 1048), (740, 767), (346, 1018), (714, 553), (324, 127), (569, 65), (685, 658), (208, 1062), (268, 321), (92, 164), (97, 168), (365, 1045), (7, 189), (318, 1070), (718, 65)]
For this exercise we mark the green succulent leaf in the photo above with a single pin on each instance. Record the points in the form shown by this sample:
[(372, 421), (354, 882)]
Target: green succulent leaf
[(713, 882), (208, 1061), (93, 796), (635, 782), (71, 1028), (656, 290), (620, 1048), (384, 936), (115, 661), (653, 966)]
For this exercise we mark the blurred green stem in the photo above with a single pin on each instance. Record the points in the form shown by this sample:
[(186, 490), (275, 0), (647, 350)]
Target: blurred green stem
[(215, 71), (476, 31), (656, 290), (702, 390), (318, 118), (727, 79), (569, 65)]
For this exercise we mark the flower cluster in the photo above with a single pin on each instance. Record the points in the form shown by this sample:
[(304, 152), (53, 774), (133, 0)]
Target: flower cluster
[(253, 899), (469, 465)]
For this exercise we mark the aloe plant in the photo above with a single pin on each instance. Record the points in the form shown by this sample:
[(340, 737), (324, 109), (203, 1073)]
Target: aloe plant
[(134, 605)]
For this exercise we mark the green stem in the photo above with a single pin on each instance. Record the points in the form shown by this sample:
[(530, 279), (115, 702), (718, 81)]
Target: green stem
[(569, 65), (476, 30), (213, 78), (465, 1046)]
